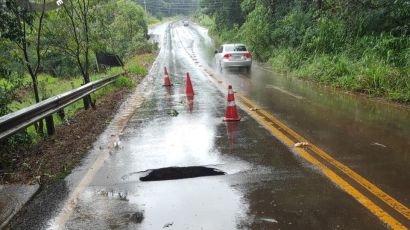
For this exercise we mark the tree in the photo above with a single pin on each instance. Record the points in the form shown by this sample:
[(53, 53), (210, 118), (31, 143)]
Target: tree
[(77, 13), (119, 27), (169, 7), (227, 13), (24, 27)]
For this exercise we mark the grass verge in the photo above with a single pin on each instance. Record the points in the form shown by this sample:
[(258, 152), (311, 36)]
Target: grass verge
[(367, 74), (52, 158)]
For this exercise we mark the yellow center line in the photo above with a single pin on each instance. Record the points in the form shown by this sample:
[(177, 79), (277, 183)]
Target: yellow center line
[(399, 207), (366, 202)]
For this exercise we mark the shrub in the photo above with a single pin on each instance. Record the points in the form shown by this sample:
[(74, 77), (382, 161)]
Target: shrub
[(10, 144), (136, 69), (124, 82), (327, 36)]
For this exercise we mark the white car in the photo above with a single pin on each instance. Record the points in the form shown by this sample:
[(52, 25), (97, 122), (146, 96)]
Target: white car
[(233, 55)]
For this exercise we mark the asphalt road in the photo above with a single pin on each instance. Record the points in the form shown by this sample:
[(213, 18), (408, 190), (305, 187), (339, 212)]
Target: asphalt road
[(269, 184)]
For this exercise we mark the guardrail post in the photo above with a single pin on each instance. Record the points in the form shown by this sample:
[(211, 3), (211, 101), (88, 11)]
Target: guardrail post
[(61, 114), (50, 125)]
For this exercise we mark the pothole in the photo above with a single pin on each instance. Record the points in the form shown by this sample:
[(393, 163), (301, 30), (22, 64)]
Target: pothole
[(175, 173)]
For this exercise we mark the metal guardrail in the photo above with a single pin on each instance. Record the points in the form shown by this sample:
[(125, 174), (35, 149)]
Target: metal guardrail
[(20, 119)]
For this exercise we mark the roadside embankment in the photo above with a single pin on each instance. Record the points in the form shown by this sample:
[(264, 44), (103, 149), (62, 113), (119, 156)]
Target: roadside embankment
[(52, 158), (352, 47)]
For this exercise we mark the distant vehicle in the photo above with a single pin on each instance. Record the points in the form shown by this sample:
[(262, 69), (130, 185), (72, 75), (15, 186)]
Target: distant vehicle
[(186, 23), (233, 55)]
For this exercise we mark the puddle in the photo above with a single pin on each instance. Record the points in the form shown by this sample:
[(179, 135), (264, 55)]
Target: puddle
[(175, 173)]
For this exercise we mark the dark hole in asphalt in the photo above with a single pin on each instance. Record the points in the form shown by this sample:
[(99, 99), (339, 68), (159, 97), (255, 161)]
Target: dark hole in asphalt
[(174, 173), (137, 217)]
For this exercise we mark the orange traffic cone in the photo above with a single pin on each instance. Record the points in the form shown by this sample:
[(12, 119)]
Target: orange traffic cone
[(167, 81), (231, 113), (189, 90)]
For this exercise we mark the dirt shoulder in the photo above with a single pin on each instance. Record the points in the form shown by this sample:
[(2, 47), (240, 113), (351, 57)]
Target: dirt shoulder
[(54, 157)]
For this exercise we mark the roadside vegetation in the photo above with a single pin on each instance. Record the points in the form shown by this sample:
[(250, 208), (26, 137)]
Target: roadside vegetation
[(45, 52), (361, 46), (49, 159)]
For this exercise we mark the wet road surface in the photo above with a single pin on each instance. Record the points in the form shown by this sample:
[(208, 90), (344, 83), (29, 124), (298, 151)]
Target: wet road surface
[(266, 186), (369, 136)]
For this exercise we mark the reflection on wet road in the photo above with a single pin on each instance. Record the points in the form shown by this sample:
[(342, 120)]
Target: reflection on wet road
[(372, 137), (266, 186)]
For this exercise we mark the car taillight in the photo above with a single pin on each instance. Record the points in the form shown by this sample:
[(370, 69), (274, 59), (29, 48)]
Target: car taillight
[(247, 55), (227, 56)]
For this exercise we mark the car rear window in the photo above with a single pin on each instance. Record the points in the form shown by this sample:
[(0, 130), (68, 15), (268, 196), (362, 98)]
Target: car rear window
[(232, 48)]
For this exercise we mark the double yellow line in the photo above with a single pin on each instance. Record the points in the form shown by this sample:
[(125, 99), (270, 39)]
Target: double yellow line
[(290, 137)]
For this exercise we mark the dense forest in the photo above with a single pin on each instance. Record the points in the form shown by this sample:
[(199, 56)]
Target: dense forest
[(166, 8), (358, 45)]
